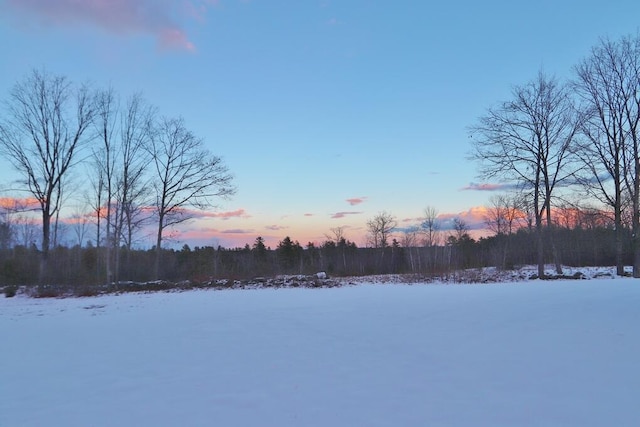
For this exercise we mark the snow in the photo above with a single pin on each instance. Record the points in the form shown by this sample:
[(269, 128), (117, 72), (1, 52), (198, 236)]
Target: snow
[(560, 353)]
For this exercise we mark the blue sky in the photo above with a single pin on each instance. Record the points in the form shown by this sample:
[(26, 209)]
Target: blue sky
[(327, 112)]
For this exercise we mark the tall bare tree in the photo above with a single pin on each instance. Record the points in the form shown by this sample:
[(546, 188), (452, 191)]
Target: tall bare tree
[(131, 186), (608, 84), (107, 111), (119, 162), (430, 227), (527, 140), (380, 228), (40, 134), (186, 176)]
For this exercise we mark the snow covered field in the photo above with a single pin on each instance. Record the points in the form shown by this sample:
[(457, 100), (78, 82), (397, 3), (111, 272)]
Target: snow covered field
[(560, 353)]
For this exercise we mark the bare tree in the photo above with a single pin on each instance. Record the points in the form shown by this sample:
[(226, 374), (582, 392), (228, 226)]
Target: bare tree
[(95, 199), (460, 230), (80, 222), (131, 186), (527, 140), (380, 228), (409, 241), (430, 227), (13, 215), (119, 163), (505, 213), (41, 134), (105, 161), (337, 234), (607, 83), (186, 176), (410, 237), (26, 230)]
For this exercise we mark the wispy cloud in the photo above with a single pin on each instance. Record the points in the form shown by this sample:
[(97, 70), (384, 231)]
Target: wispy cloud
[(344, 214), (416, 219), (275, 227), (197, 233), (356, 200), (474, 186), (158, 18), (237, 231), (409, 229), (308, 214), (12, 204), (238, 213)]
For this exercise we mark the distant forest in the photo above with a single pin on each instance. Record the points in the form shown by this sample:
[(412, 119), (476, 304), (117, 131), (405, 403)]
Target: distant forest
[(582, 245)]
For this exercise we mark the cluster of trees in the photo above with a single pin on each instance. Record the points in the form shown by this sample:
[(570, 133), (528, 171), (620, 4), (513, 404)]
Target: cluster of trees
[(556, 140), (141, 166), (583, 237)]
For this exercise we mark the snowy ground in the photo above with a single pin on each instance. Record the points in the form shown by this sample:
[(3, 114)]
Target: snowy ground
[(560, 353)]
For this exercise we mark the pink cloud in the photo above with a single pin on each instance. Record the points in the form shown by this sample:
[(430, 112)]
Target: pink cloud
[(174, 38), (237, 231), (123, 17), (419, 219), (308, 214), (474, 218), (488, 187), (356, 200), (197, 233), (196, 213), (198, 10), (275, 227), (344, 214), (238, 213), (11, 204)]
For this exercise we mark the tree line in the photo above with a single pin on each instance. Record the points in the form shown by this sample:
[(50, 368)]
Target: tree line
[(139, 167), (558, 143), (583, 238)]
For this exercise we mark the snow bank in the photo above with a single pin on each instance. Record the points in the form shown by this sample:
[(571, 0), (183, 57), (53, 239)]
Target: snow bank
[(527, 354)]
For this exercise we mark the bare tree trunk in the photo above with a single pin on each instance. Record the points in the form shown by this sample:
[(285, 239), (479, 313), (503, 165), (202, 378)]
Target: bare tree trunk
[(619, 243), (552, 243), (44, 260), (635, 221), (636, 255), (158, 249), (98, 221)]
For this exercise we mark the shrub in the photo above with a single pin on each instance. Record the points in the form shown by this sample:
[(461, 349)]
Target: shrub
[(48, 291), (10, 291), (86, 291)]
